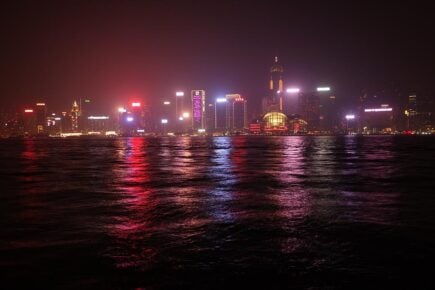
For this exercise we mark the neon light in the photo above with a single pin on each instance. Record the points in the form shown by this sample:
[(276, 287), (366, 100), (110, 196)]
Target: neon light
[(28, 111), (379, 110), (221, 100), (135, 104), (40, 104), (323, 89), (186, 115), (164, 121), (350, 117), (57, 119), (293, 90), (122, 110), (166, 103), (201, 130), (140, 130), (179, 94), (130, 119), (197, 107), (111, 133), (70, 134), (181, 118), (98, 118), (239, 99)]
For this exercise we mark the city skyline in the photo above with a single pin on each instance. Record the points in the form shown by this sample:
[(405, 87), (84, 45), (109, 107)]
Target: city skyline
[(119, 50)]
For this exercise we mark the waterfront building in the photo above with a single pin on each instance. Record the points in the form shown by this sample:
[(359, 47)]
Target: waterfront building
[(198, 110), (221, 112), (75, 113), (41, 118), (274, 100), (275, 123), (239, 115)]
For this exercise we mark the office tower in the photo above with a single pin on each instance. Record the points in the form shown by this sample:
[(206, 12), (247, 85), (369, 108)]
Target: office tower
[(309, 107), (198, 109), (274, 101), (28, 122), (239, 114), (75, 113), (221, 111), (41, 118)]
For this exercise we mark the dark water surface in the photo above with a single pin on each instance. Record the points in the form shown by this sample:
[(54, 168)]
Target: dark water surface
[(257, 212)]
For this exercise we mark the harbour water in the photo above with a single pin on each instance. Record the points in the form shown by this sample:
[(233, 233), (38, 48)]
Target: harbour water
[(336, 212)]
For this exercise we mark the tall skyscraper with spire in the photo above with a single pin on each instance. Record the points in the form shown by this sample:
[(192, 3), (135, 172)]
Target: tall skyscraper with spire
[(276, 88), (75, 114)]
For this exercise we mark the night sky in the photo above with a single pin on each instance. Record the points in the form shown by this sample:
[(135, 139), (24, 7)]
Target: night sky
[(113, 51)]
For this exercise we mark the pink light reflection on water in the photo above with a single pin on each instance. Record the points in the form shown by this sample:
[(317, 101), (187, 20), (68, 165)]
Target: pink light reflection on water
[(132, 224)]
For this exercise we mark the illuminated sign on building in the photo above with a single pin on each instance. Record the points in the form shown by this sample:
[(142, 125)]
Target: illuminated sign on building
[(198, 108), (98, 118), (135, 104), (379, 110)]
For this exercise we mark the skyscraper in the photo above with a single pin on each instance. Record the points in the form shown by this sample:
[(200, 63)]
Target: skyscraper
[(274, 102), (198, 109), (75, 113), (239, 115), (221, 115), (41, 117)]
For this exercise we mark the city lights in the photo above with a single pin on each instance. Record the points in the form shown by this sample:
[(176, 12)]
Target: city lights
[(350, 117), (130, 119), (98, 118), (323, 89), (179, 94), (221, 100), (186, 115), (293, 90), (379, 110), (122, 110), (40, 104), (181, 118), (164, 121), (166, 103), (135, 104), (201, 130), (28, 111)]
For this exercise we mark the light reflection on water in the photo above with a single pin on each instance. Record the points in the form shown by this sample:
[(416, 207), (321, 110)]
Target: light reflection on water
[(188, 204)]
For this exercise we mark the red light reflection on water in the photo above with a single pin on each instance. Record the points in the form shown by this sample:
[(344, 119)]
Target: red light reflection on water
[(131, 177)]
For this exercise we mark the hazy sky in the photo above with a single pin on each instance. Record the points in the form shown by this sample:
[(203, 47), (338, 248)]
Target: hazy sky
[(113, 51)]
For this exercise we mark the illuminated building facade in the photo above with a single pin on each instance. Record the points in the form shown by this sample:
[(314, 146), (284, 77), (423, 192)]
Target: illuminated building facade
[(239, 115), (198, 109), (179, 105), (29, 122), (41, 118), (378, 119), (275, 122), (274, 101), (297, 125), (75, 114), (221, 110)]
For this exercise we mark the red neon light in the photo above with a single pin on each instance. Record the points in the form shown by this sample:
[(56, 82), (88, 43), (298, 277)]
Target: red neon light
[(135, 104)]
